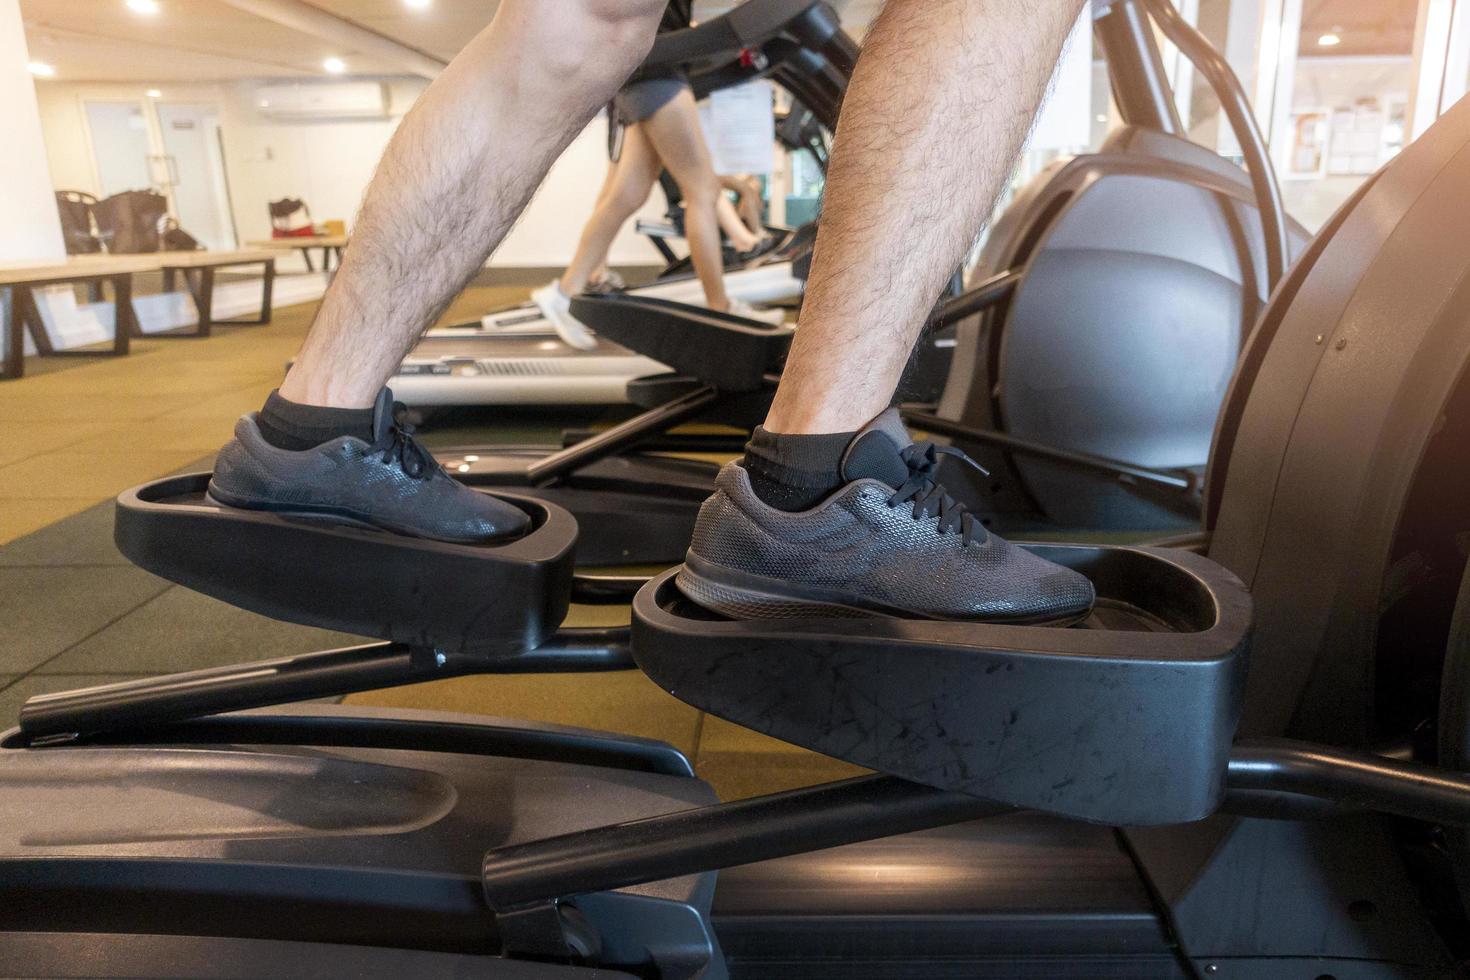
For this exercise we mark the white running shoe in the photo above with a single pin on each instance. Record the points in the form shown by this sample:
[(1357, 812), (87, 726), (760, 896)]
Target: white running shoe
[(739, 307), (556, 306)]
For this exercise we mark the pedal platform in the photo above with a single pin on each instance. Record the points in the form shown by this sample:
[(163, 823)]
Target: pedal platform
[(1125, 719), (476, 599), (730, 353)]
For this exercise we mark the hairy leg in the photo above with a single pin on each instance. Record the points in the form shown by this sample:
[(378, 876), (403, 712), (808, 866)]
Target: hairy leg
[(456, 175), (676, 136), (627, 188), (939, 105)]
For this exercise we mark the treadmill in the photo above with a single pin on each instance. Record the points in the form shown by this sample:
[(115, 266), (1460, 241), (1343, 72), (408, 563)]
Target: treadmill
[(513, 357)]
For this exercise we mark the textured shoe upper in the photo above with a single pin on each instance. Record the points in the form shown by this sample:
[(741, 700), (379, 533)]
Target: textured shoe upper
[(870, 541), (392, 483)]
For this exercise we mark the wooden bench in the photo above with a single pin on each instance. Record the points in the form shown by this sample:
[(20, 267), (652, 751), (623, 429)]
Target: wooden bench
[(198, 271), (329, 244), (91, 270)]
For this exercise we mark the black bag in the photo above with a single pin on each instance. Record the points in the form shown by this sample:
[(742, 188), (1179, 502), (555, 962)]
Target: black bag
[(75, 208), (176, 239), (130, 221)]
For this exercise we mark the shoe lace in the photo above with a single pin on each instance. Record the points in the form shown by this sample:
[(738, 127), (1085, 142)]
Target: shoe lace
[(397, 442), (929, 496)]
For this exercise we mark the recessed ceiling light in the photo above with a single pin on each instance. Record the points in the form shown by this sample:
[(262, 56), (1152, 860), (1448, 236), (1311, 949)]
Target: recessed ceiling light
[(334, 66), (1328, 40), (1101, 118), (154, 93), (146, 7), (41, 70), (417, 4)]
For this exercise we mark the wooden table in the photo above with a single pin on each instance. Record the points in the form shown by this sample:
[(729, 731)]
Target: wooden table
[(23, 278), (329, 244), (198, 270)]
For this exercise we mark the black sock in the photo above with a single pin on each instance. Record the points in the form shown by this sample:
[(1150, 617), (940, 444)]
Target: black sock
[(794, 472), (288, 425)]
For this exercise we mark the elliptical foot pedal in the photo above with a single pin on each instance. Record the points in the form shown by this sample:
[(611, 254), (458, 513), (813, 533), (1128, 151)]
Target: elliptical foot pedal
[(1125, 719), (726, 352), (491, 600)]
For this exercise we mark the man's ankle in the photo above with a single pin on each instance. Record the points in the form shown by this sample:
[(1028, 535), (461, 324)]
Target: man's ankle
[(293, 426), (795, 472)]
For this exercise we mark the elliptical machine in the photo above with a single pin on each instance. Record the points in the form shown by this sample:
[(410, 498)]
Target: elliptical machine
[(1157, 249), (143, 832), (1109, 306)]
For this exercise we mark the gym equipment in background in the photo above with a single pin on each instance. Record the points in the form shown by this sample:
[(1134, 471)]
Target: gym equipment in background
[(144, 832), (1109, 306)]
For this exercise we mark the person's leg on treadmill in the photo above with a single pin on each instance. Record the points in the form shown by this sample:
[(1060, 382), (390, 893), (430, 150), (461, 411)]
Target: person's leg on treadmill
[(833, 508), (624, 193), (454, 177), (602, 275), (742, 239), (678, 139), (748, 203)]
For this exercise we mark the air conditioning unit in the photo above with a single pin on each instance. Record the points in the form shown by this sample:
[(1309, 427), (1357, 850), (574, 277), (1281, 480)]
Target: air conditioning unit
[(333, 100)]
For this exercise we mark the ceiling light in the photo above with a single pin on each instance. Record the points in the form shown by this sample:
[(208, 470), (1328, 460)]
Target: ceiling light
[(1101, 118), (41, 70), (146, 7), (1328, 40), (417, 4), (154, 93), (334, 66)]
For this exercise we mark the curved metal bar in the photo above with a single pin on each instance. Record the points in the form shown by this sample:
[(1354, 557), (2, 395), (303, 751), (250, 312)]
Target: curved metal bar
[(1350, 778), (1237, 108), (570, 650), (980, 296), (720, 836), (1172, 481)]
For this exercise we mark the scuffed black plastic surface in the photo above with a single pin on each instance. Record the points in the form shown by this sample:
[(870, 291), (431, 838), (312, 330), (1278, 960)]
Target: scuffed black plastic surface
[(726, 352), (1126, 720), (492, 599)]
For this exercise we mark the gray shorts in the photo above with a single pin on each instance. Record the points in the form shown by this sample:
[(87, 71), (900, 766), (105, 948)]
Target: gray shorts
[(638, 100)]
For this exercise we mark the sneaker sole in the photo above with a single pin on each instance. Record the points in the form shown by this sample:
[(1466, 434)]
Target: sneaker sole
[(739, 595), (342, 517)]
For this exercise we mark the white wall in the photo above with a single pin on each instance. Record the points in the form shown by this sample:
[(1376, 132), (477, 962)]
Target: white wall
[(328, 163), (548, 230), (31, 228)]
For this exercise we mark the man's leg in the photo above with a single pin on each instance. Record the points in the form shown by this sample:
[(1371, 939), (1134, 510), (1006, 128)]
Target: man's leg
[(941, 100), (834, 511), (455, 177)]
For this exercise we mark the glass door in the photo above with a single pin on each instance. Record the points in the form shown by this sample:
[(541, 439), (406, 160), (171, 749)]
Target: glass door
[(193, 174), (120, 146)]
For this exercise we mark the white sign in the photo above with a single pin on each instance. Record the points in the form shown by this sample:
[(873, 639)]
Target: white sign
[(740, 127)]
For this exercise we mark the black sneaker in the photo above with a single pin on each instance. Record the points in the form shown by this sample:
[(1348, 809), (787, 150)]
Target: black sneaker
[(391, 484), (890, 542)]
